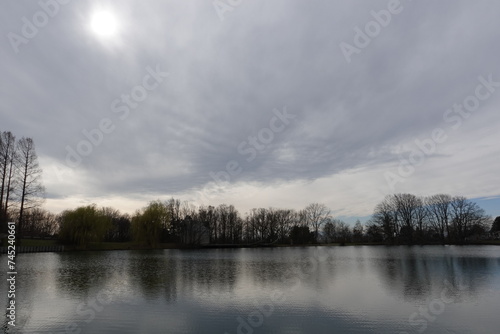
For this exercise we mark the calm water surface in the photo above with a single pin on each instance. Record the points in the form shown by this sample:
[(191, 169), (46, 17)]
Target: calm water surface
[(442, 289)]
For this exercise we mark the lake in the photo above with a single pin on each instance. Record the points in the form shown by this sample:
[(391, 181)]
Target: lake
[(362, 289)]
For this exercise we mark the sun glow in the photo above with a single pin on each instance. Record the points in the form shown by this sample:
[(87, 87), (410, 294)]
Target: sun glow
[(104, 24)]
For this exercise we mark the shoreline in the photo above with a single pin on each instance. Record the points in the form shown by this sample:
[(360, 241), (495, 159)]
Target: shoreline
[(43, 245)]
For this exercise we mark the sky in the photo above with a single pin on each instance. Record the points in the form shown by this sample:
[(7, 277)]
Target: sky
[(255, 103)]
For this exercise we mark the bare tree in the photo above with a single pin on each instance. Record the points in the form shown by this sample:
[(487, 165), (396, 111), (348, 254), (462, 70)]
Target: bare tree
[(50, 225), (406, 206), (400, 215), (225, 224), (301, 218), (212, 218), (330, 230), (40, 223), (223, 215), (187, 209), (316, 216), (257, 221), (235, 225), (385, 217), (30, 189), (208, 218), (174, 209), (465, 215), (344, 233), (250, 230), (194, 232), (421, 218), (439, 210), (285, 219), (358, 232), (7, 155)]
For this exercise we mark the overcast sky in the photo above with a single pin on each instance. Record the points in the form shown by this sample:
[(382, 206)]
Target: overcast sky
[(255, 103)]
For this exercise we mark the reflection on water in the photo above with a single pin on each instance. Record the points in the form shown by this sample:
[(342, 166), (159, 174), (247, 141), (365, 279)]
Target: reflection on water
[(416, 272), (79, 273), (153, 274), (282, 290)]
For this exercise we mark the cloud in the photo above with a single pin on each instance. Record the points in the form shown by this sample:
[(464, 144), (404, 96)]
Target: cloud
[(353, 120)]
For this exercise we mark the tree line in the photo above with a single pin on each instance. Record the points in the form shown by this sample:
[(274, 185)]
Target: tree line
[(397, 219), (21, 189), (442, 218), (183, 223)]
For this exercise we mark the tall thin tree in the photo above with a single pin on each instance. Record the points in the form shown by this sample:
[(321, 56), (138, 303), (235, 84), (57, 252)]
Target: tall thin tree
[(31, 189), (7, 153)]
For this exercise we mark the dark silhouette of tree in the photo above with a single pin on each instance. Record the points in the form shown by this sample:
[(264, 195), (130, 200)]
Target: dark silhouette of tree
[(316, 216), (284, 219), (229, 225), (344, 234), (258, 224), (194, 232), (208, 218), (301, 235), (407, 208), (336, 230), (436, 218), (374, 232), (7, 160), (465, 215), (29, 175), (495, 227), (40, 223), (235, 225), (120, 229), (439, 212), (329, 231), (401, 216), (421, 218), (385, 217), (174, 232), (358, 232)]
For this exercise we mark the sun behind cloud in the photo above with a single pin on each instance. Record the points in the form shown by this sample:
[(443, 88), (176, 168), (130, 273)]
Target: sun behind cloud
[(104, 24)]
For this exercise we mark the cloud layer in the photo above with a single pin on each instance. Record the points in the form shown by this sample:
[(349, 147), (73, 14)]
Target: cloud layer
[(353, 121)]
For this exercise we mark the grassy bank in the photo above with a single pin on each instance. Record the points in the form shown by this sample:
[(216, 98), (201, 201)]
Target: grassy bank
[(108, 246), (38, 242), (94, 246)]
